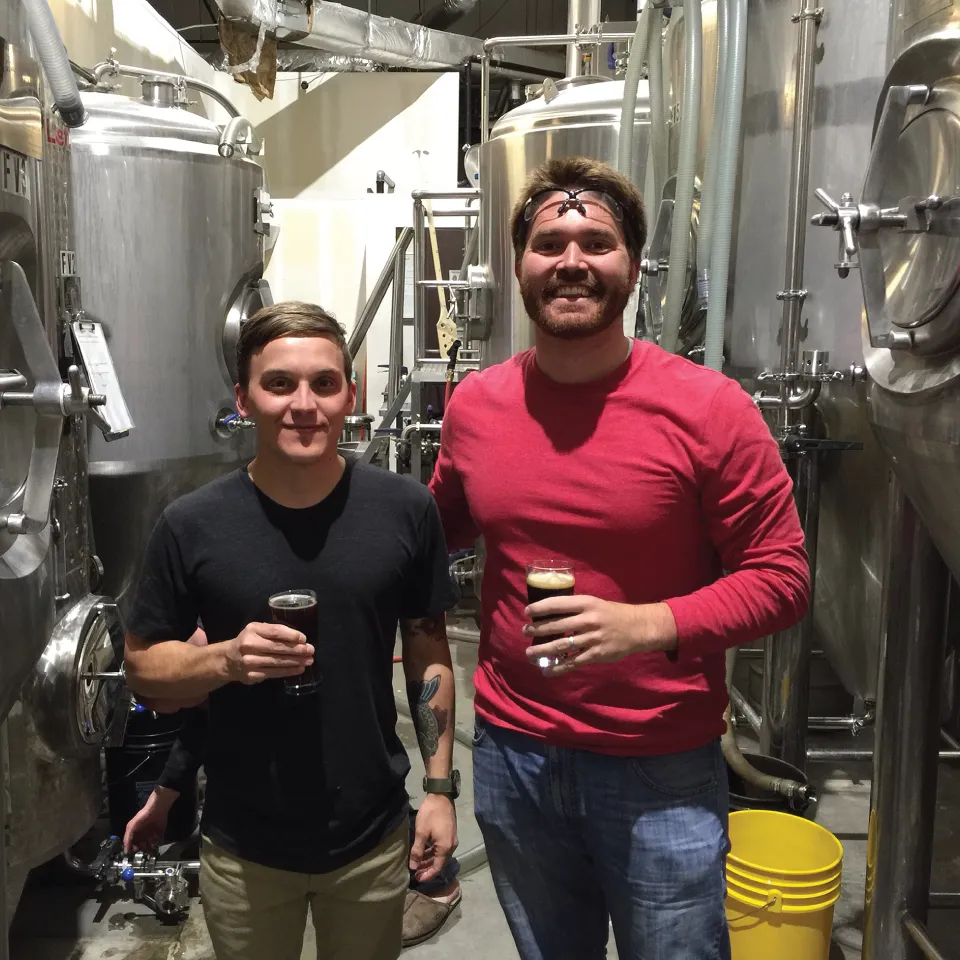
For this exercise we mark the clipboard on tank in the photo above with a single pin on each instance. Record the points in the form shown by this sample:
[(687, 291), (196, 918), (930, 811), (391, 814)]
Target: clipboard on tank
[(91, 344)]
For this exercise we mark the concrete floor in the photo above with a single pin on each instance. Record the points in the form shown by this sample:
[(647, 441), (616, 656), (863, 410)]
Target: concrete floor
[(63, 918)]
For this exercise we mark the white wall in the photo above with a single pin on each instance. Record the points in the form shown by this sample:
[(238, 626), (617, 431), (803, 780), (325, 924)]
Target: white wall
[(324, 147)]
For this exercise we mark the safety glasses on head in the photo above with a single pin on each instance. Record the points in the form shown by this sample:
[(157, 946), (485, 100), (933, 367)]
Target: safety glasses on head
[(579, 200)]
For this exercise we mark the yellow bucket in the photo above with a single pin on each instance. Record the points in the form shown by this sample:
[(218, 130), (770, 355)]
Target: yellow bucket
[(783, 880)]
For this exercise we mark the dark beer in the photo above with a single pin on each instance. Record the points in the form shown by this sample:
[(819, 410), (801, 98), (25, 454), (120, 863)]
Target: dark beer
[(297, 609), (543, 584), (548, 578)]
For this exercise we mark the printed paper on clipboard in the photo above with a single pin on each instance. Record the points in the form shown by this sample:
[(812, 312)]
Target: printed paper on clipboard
[(92, 346)]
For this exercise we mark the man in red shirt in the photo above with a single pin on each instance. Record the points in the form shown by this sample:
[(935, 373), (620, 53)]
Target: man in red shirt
[(600, 787)]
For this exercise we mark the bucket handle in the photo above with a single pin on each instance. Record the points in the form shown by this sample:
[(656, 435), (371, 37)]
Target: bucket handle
[(775, 903)]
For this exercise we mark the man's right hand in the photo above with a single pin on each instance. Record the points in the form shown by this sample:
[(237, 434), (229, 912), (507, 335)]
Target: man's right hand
[(266, 650), (146, 829)]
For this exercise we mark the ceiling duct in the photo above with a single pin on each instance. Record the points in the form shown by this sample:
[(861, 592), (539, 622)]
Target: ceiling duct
[(335, 28), (444, 15)]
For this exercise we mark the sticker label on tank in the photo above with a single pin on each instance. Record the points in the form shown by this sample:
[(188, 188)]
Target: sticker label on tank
[(13, 174), (68, 263)]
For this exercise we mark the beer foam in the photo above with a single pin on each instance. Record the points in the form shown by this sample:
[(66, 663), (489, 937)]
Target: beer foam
[(551, 580), (292, 601)]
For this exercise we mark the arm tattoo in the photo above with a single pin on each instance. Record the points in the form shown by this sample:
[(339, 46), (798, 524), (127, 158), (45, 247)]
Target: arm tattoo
[(433, 628), (429, 722)]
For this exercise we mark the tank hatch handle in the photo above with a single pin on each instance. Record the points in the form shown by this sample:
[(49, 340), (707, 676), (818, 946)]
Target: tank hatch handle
[(859, 224), (52, 399)]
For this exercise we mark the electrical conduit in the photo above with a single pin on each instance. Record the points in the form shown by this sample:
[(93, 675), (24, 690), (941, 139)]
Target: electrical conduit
[(726, 185), (56, 64), (686, 174)]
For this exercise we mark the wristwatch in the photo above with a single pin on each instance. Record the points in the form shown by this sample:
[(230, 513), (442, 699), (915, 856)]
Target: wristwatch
[(448, 786)]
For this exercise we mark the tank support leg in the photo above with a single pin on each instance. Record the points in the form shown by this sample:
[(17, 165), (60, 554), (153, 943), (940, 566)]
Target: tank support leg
[(904, 788)]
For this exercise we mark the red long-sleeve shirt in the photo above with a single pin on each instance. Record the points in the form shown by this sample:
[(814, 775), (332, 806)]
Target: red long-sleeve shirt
[(653, 481)]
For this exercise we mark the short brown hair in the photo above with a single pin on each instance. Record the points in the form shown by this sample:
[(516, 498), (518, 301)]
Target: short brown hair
[(288, 319), (569, 173)]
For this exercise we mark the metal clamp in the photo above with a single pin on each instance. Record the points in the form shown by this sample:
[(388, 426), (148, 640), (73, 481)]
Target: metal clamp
[(811, 13), (263, 212), (800, 295), (52, 399), (814, 373)]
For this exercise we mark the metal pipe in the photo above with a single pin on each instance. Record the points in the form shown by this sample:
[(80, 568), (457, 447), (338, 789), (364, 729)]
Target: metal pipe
[(111, 68), (743, 706), (234, 129), (797, 209), (484, 98), (557, 40), (904, 784), (375, 299), (473, 859), (948, 740), (852, 755), (944, 901), (418, 427), (463, 193), (396, 327), (457, 212), (419, 268), (5, 917), (786, 666), (463, 635), (581, 16), (917, 932)]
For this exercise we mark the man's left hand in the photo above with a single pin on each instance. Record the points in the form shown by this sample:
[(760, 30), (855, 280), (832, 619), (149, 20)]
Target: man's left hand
[(597, 631), (436, 836)]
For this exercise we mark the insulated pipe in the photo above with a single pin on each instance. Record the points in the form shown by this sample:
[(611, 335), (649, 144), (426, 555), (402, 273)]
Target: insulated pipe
[(638, 54), (657, 156), (686, 175), (708, 188), (56, 64), (725, 188)]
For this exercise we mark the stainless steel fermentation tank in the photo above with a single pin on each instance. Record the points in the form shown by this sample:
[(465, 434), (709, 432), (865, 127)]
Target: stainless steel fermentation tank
[(171, 246), (897, 217), (578, 116), (55, 632), (782, 132)]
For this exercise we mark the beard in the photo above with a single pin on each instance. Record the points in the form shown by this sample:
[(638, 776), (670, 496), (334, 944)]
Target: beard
[(556, 317)]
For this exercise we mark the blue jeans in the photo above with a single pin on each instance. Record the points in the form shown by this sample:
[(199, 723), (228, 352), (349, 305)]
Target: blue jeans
[(574, 838)]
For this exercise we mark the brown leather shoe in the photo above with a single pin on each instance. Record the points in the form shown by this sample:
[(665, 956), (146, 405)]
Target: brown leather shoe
[(423, 917)]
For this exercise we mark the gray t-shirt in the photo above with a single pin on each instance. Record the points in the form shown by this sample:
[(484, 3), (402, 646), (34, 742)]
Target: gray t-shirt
[(301, 783)]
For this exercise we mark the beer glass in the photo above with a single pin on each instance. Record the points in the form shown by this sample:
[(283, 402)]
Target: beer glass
[(297, 609), (549, 578)]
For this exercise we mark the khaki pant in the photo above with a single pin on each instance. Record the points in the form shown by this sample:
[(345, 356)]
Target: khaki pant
[(259, 913)]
